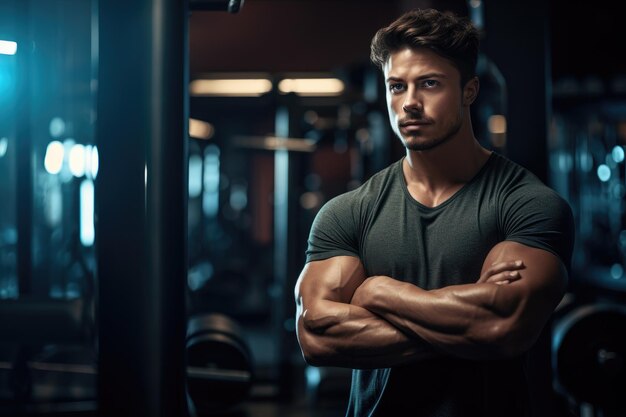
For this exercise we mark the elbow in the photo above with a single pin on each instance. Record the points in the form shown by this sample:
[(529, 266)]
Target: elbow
[(314, 353), (502, 341), (313, 358)]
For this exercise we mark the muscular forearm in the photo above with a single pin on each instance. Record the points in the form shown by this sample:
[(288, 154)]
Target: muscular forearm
[(338, 334), (473, 321)]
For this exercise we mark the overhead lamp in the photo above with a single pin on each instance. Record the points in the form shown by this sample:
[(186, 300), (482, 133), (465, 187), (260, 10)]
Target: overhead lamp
[(200, 129), (8, 47), (312, 87), (274, 143), (240, 87)]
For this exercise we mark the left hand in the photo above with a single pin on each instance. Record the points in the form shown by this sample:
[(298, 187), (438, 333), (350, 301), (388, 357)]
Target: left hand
[(502, 273)]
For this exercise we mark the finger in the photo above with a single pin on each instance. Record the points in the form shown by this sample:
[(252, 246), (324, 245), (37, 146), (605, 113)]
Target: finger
[(506, 265), (499, 267), (508, 276)]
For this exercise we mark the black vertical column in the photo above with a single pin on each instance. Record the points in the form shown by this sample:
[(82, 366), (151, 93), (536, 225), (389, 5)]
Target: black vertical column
[(24, 190), (141, 206), (517, 40)]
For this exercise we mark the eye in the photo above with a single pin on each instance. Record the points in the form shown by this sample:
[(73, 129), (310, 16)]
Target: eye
[(396, 87), (430, 83)]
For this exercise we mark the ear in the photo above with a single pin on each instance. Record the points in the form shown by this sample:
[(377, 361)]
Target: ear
[(470, 91)]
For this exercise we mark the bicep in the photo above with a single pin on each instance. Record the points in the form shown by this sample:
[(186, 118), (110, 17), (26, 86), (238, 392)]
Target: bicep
[(535, 295), (332, 279), (542, 269)]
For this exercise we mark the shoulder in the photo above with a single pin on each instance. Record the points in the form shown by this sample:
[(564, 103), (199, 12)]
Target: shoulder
[(532, 213), (346, 213), (510, 173), (338, 225), (514, 182)]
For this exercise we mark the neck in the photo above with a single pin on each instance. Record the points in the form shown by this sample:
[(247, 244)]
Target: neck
[(454, 162)]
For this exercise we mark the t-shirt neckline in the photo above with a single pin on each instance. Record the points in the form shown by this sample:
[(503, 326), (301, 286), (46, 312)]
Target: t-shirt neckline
[(453, 197)]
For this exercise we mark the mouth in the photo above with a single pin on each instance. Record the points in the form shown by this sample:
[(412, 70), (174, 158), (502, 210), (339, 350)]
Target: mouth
[(414, 123), (413, 126)]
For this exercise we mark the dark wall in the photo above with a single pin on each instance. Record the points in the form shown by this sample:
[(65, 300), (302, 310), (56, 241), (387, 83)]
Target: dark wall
[(279, 35), (588, 38), (516, 40)]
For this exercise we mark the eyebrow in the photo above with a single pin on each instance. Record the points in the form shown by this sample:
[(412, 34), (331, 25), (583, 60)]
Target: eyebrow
[(421, 77)]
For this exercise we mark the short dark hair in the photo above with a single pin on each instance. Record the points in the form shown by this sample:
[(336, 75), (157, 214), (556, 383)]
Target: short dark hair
[(448, 35)]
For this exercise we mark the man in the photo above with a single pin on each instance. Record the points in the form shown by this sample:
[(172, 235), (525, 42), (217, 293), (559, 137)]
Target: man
[(434, 278)]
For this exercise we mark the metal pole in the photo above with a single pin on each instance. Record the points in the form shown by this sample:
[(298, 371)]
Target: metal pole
[(281, 249), (141, 206), (286, 256)]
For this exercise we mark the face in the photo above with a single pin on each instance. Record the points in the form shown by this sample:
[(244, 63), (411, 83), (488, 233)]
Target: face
[(424, 97)]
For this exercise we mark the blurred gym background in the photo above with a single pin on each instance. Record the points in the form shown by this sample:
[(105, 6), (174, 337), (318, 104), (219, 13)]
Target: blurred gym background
[(161, 163)]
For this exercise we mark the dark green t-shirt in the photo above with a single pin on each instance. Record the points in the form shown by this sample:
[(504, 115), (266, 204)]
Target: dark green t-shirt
[(394, 235)]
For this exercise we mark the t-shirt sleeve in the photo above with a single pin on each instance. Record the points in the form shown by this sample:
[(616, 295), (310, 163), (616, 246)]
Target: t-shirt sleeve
[(334, 231), (537, 216)]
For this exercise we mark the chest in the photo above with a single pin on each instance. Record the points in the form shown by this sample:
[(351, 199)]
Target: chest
[(429, 247)]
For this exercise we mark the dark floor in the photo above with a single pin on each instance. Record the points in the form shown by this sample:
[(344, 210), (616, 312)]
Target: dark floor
[(250, 408), (69, 389)]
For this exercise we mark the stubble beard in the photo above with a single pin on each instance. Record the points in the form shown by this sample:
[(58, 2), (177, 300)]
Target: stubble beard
[(433, 142)]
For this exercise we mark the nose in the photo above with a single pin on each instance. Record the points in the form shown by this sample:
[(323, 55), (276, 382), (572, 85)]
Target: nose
[(412, 102)]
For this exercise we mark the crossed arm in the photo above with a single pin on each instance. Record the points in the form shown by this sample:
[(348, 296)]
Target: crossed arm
[(347, 319)]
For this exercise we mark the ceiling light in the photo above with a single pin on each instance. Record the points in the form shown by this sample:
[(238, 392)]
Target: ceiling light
[(8, 47), (274, 143), (248, 87), (311, 86)]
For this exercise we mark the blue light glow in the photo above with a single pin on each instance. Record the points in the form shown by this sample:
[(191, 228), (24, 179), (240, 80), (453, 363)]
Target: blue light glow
[(586, 161), (604, 173), (7, 83), (618, 154), (95, 162), (4, 145), (211, 180), (195, 176), (617, 271), (53, 204), (313, 377), (565, 162), (8, 47), (57, 127), (238, 197), (87, 229)]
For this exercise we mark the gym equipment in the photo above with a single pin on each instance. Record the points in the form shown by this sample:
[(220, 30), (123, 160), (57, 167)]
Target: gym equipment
[(219, 364), (588, 352)]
